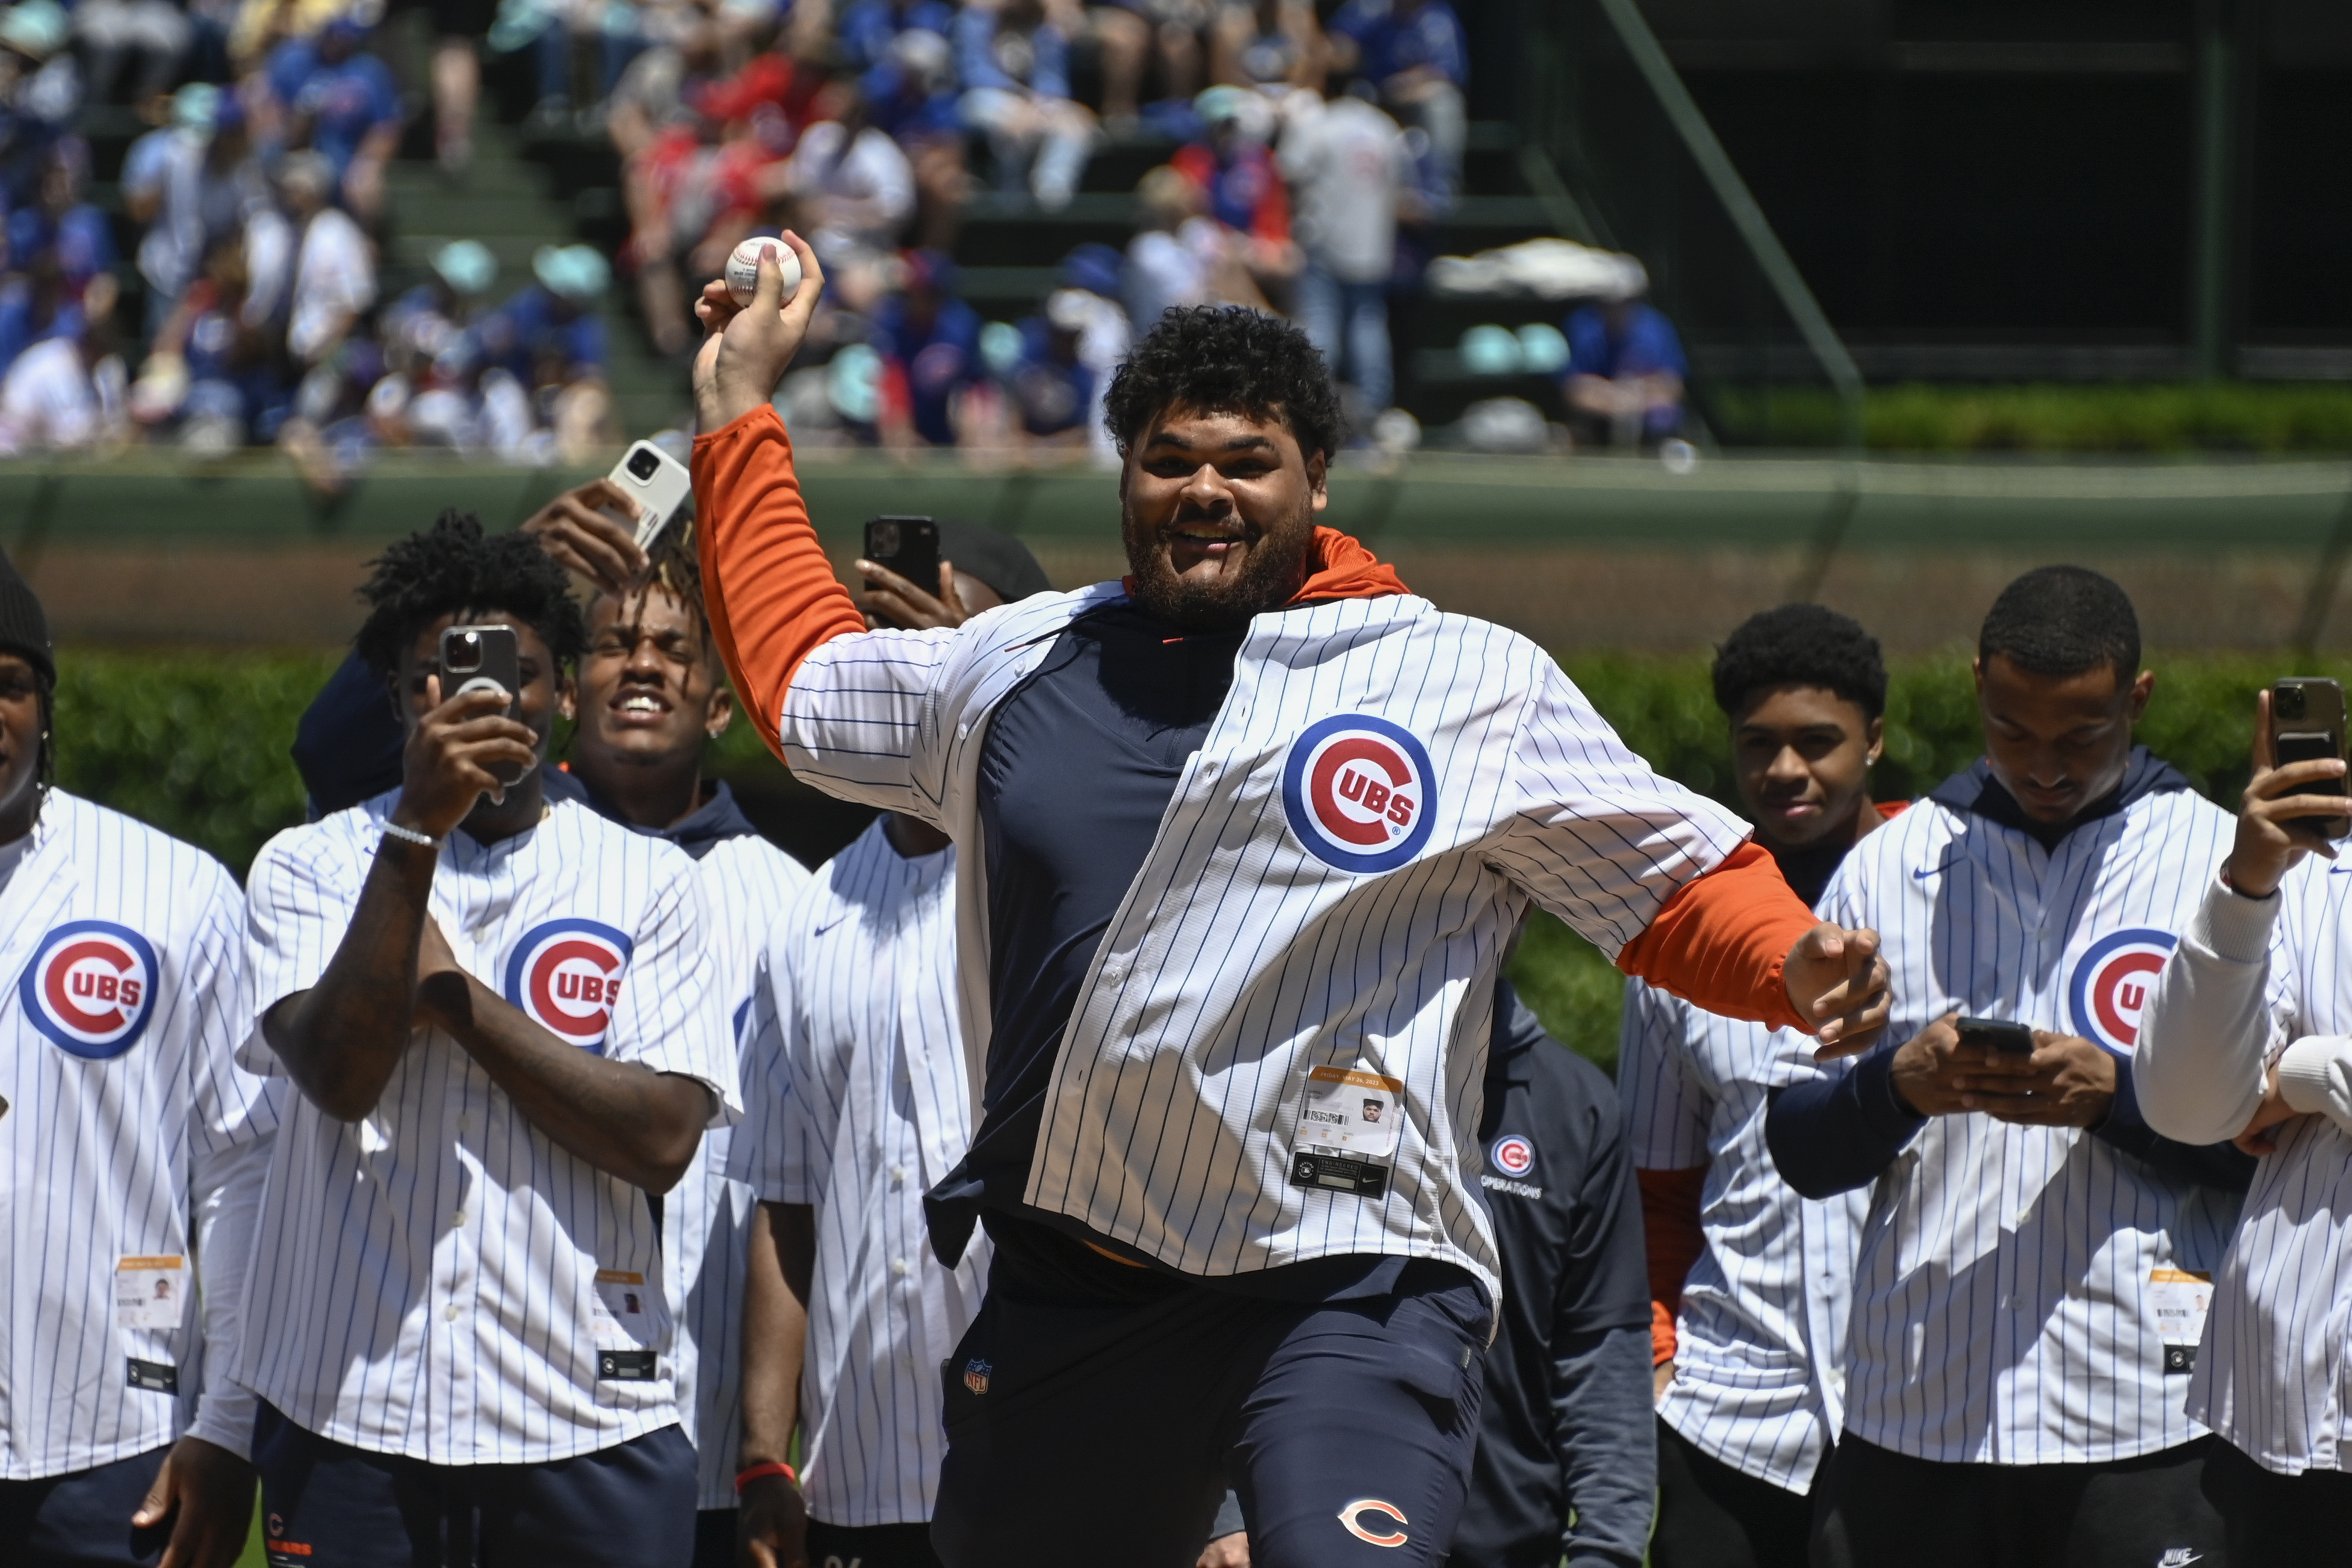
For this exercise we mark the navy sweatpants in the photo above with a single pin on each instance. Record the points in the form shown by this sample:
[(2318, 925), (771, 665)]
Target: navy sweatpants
[(82, 1519), (324, 1502), (1106, 1431)]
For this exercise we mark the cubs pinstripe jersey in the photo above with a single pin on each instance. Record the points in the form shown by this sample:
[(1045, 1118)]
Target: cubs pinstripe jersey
[(746, 884), (440, 1280), (2005, 1301), (1761, 1337), (857, 1106), (1262, 1070), (2273, 1374), (132, 1143)]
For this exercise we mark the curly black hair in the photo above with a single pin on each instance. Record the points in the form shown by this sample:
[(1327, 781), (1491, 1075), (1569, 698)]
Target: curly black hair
[(1226, 359), (2062, 621), (1800, 645), (452, 568)]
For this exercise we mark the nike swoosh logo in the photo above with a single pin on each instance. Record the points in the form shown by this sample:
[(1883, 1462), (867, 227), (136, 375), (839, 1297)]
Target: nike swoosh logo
[(1935, 870), (2339, 870), (828, 926)]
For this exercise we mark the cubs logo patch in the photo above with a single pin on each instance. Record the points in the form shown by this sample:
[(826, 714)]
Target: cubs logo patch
[(1359, 792), (90, 988), (1511, 1155), (2112, 982), (566, 976)]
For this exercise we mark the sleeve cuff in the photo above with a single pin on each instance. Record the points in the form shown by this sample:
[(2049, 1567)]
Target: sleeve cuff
[(225, 1418), (1881, 1107), (2233, 927), (2308, 1070)]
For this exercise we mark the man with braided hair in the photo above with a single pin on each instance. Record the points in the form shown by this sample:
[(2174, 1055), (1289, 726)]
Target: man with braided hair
[(503, 1017)]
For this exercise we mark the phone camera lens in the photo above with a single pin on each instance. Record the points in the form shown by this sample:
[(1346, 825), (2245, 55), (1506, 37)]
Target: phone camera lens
[(466, 651), (885, 539), (642, 465), (2287, 702)]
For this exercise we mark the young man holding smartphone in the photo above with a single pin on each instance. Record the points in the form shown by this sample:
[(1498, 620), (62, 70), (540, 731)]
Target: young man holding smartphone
[(2016, 1361), (499, 1014), (2249, 1035)]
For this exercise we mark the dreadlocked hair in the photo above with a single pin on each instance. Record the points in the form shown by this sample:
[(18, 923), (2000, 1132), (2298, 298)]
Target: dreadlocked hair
[(453, 568), (675, 565)]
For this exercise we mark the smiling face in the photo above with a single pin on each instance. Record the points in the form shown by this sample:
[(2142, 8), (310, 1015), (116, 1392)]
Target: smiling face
[(20, 746), (1802, 755), (1218, 515), (2058, 743), (651, 690)]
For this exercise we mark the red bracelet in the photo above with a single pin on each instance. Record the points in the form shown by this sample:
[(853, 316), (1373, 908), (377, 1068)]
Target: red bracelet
[(773, 1467)]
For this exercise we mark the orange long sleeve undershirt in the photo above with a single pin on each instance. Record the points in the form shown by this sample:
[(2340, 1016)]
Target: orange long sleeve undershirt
[(772, 599), (1671, 1232)]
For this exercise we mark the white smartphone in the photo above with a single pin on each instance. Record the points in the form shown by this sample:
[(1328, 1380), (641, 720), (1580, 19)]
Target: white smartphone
[(658, 482)]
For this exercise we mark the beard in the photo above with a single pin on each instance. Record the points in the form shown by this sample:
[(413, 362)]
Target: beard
[(1270, 575)]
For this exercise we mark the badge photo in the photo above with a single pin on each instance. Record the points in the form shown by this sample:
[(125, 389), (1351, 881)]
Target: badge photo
[(566, 976), (90, 988), (1359, 792), (2111, 984)]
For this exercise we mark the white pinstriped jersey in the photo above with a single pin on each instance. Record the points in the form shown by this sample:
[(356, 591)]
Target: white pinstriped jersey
[(129, 1135), (746, 882), (440, 1280), (1761, 1337), (864, 1106), (2273, 1375), (1381, 793), (2001, 1305)]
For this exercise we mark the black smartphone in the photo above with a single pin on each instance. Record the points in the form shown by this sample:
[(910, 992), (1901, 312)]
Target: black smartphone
[(474, 656), (908, 546), (2307, 725), (1994, 1034)]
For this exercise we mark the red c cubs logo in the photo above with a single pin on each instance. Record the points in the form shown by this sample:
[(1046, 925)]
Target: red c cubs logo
[(2111, 984), (1352, 1517), (90, 988), (566, 976), (1512, 1155), (1359, 792)]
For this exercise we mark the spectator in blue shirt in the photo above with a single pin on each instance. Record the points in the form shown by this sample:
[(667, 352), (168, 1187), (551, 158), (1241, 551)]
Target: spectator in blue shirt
[(341, 101), (1015, 69), (929, 343), (1625, 369), (866, 28), (550, 331), (910, 93), (60, 224), (1414, 51)]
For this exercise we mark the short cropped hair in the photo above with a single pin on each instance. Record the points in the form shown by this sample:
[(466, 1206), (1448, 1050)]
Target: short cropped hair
[(453, 568), (2062, 621), (1800, 645), (1226, 359)]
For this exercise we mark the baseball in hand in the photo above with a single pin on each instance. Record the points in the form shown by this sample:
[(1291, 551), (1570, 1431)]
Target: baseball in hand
[(743, 268)]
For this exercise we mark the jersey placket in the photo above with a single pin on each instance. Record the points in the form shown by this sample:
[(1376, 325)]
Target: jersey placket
[(455, 1350)]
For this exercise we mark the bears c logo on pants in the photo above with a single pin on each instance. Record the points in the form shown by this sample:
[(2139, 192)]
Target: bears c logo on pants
[(90, 988), (1367, 1518), (566, 976)]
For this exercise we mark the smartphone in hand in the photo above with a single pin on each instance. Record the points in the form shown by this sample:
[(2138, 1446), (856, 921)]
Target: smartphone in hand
[(658, 483), (2307, 725), (474, 657), (908, 546), (1996, 1034)]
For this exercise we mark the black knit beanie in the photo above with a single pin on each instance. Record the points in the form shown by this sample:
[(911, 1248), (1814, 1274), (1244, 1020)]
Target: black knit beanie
[(22, 628)]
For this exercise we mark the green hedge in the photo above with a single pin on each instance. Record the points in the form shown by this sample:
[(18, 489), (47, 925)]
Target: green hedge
[(197, 744), (2122, 417)]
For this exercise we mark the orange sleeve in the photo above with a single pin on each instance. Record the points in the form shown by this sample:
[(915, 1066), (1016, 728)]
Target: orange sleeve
[(1720, 943), (1670, 1228), (769, 589)]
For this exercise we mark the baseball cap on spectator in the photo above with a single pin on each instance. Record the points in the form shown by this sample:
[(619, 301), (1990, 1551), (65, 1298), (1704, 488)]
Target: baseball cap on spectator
[(1095, 267), (228, 111), (578, 273), (309, 172), (194, 106), (924, 56), (25, 628), (37, 28), (996, 559), (465, 265)]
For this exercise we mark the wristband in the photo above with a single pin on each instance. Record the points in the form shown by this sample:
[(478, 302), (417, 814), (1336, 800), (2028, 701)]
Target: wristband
[(773, 1467), (410, 835)]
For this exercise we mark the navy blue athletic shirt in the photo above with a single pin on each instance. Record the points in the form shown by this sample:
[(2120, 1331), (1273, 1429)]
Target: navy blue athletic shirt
[(1080, 761)]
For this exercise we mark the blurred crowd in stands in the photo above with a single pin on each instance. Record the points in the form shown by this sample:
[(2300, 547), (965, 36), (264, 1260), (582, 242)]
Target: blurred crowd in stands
[(254, 214)]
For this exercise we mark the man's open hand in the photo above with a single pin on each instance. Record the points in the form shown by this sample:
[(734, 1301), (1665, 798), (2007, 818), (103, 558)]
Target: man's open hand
[(750, 347), (207, 1494), (1838, 983)]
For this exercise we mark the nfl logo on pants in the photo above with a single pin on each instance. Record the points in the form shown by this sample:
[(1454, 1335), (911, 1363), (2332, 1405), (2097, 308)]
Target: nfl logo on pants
[(976, 1374)]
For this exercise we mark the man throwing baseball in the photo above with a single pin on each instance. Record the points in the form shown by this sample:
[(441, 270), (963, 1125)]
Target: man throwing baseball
[(1242, 838)]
